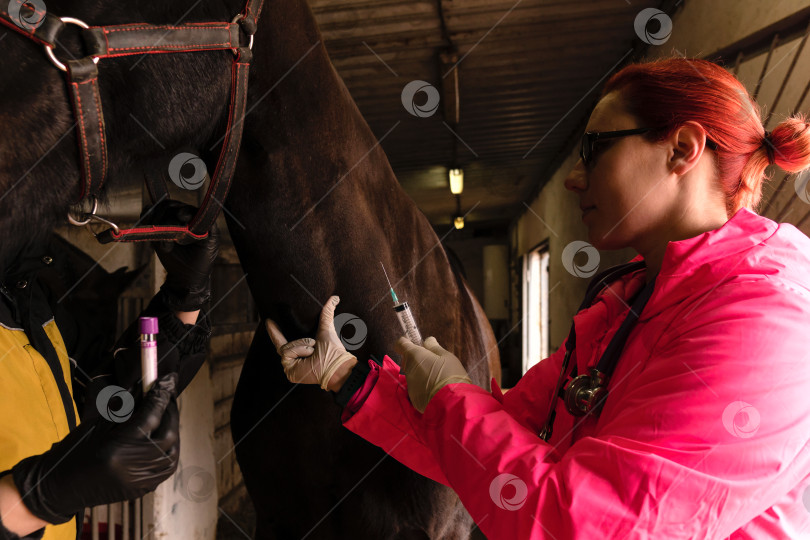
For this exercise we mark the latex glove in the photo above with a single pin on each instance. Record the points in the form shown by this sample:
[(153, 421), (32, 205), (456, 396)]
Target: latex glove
[(188, 266), (103, 462), (428, 369), (312, 361)]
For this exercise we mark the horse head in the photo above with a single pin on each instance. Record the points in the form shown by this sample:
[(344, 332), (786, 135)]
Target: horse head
[(154, 107)]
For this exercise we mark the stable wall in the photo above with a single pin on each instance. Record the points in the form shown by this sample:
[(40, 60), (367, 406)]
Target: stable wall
[(699, 28)]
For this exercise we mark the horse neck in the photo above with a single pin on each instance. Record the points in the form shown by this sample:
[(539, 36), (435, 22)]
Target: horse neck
[(302, 105), (311, 136)]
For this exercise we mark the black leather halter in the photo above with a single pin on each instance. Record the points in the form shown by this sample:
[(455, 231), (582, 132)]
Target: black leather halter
[(141, 38)]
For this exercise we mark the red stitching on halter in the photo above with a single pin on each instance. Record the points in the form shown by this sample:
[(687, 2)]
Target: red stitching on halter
[(231, 142), (88, 175), (226, 147), (29, 31), (215, 46), (154, 230), (97, 99), (140, 26)]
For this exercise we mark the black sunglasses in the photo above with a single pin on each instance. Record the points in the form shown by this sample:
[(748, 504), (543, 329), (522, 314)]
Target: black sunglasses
[(590, 138)]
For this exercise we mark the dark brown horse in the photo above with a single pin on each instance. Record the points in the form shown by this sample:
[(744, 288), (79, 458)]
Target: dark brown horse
[(330, 209), (313, 207)]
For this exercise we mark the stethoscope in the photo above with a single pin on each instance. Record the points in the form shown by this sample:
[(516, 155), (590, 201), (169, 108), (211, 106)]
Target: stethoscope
[(587, 393)]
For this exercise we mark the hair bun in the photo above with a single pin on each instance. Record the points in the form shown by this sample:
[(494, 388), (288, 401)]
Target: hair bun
[(788, 144)]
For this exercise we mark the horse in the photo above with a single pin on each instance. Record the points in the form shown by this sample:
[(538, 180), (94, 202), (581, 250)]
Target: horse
[(313, 209)]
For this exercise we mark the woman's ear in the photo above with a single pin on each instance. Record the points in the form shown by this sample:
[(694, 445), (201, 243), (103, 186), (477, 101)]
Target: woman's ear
[(687, 145)]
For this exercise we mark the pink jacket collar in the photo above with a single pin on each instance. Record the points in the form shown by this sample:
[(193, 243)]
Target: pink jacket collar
[(706, 260)]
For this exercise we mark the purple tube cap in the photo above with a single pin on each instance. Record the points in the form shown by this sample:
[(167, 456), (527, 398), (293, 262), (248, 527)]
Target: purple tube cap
[(149, 325)]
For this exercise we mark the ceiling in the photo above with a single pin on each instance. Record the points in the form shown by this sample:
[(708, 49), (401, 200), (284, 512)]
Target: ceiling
[(528, 72)]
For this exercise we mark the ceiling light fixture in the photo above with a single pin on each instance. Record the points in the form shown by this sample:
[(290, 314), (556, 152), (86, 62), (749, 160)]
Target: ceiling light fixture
[(456, 181)]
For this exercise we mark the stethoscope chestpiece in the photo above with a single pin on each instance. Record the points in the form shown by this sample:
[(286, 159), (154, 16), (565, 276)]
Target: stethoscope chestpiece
[(586, 393)]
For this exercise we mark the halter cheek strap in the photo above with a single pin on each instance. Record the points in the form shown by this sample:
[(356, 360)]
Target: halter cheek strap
[(105, 42)]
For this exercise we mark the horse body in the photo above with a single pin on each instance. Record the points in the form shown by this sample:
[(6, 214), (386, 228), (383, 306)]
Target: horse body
[(313, 207), (330, 209)]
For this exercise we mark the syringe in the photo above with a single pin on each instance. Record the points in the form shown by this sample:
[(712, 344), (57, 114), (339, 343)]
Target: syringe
[(403, 313)]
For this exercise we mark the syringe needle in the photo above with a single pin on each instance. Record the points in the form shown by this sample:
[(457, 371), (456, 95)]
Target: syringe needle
[(386, 275), (391, 287)]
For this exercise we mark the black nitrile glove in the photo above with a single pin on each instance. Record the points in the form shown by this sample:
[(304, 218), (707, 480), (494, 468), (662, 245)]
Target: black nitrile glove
[(103, 462), (188, 266)]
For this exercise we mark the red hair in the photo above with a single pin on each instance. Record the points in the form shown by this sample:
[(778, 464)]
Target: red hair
[(669, 92)]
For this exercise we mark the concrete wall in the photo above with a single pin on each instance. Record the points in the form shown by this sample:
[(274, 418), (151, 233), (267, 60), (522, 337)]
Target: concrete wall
[(554, 216), (699, 28)]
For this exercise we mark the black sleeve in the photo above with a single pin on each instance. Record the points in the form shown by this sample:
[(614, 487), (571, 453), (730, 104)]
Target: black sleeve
[(181, 349)]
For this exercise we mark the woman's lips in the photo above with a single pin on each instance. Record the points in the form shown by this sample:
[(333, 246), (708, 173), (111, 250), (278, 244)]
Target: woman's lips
[(587, 211)]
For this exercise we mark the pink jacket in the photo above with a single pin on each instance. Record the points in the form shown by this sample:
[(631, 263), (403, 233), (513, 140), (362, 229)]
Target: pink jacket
[(706, 430)]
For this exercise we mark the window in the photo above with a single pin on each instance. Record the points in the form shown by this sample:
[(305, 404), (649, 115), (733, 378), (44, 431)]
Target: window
[(535, 306)]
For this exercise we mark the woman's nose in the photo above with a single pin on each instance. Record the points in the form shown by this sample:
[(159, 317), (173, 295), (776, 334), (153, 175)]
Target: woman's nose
[(576, 181)]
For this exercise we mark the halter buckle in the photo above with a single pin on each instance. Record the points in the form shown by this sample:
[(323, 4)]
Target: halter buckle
[(88, 218), (240, 17), (49, 48)]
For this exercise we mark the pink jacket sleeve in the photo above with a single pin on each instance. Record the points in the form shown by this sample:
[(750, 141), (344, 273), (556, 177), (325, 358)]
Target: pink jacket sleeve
[(714, 431), (386, 417)]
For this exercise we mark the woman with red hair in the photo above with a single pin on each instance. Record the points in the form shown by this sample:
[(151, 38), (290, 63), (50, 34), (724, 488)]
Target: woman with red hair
[(683, 409)]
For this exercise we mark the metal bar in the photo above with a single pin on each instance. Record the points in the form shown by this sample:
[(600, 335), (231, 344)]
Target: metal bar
[(125, 519), (752, 45), (136, 518), (787, 76), (800, 223), (94, 523), (793, 197), (773, 196), (801, 98), (737, 62), (774, 41), (110, 523)]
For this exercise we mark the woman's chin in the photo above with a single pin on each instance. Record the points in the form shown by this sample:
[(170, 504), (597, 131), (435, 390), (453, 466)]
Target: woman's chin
[(603, 241)]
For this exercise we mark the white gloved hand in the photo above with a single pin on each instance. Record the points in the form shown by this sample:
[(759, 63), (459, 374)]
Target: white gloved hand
[(312, 361), (428, 369)]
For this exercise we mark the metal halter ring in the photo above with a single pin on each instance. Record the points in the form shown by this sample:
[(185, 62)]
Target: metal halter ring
[(78, 223), (236, 19), (49, 48), (92, 217)]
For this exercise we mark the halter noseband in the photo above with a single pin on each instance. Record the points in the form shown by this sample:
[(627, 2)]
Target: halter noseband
[(113, 41)]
